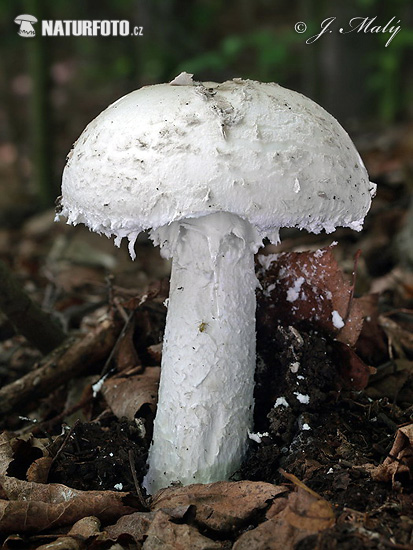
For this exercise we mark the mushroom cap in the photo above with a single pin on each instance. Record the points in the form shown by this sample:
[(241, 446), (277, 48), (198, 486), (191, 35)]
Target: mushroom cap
[(29, 18), (188, 149)]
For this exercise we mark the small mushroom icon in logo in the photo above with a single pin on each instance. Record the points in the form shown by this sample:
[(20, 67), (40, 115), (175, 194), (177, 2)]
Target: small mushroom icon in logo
[(26, 25)]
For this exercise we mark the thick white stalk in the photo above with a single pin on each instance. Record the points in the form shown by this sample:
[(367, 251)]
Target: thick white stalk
[(205, 402)]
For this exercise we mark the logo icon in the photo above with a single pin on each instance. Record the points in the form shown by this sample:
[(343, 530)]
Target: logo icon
[(26, 25)]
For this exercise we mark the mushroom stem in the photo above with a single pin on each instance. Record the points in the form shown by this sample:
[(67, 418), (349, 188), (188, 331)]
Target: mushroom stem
[(207, 377)]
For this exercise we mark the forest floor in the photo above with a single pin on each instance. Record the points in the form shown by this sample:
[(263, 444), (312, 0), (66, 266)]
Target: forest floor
[(330, 463)]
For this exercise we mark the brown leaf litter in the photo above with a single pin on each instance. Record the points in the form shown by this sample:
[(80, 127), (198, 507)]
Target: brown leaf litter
[(398, 465), (32, 507), (126, 395)]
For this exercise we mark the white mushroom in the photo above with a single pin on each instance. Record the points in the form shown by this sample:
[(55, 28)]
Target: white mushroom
[(26, 25), (211, 169)]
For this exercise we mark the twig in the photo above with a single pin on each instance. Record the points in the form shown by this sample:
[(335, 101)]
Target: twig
[(353, 286), (106, 366), (68, 361), (141, 499), (26, 316), (66, 439)]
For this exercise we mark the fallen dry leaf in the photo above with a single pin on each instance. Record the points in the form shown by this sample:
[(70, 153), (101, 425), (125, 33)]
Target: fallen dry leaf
[(126, 395), (310, 287), (32, 507), (164, 534), (306, 512), (155, 351), (71, 278), (223, 506), (158, 530), (391, 381), (136, 525), (353, 371), (86, 527), (126, 356), (38, 471), (63, 543), (6, 452), (400, 339), (398, 466), (157, 290), (76, 538), (22, 449), (290, 520)]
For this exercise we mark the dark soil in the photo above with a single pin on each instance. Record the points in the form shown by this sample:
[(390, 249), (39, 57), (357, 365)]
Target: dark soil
[(100, 455)]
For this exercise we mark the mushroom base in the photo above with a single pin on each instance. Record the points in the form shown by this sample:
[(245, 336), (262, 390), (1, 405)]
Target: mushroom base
[(205, 405)]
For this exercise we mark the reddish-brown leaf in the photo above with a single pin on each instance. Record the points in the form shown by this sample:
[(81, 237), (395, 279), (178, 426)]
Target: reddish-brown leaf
[(291, 519), (309, 287), (39, 469), (31, 507), (398, 466), (223, 506), (164, 534), (126, 395), (354, 372)]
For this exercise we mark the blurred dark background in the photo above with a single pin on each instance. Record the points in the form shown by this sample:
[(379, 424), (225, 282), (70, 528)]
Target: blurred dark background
[(51, 87)]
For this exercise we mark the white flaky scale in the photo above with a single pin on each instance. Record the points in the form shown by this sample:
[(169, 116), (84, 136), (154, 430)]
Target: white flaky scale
[(337, 320), (211, 169)]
